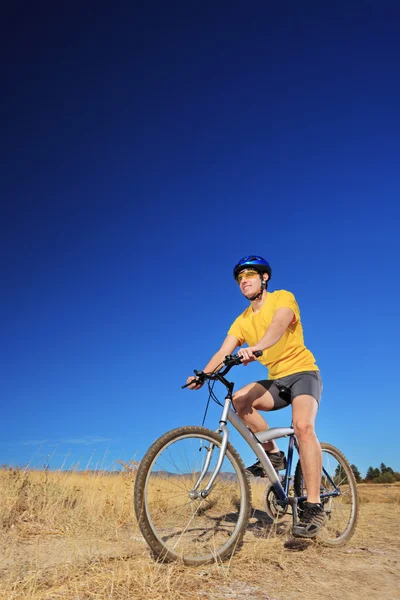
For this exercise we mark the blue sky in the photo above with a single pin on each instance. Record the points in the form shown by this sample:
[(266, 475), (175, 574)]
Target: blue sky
[(143, 153)]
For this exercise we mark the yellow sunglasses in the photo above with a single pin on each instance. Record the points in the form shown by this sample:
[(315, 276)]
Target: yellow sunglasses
[(246, 275)]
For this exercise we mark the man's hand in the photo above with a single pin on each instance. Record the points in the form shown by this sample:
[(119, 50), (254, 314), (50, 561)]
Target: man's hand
[(196, 385), (247, 354)]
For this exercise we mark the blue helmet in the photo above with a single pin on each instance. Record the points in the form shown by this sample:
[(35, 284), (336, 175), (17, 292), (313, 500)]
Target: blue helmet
[(258, 263)]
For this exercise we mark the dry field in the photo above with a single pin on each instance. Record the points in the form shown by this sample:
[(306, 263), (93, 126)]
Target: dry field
[(73, 536)]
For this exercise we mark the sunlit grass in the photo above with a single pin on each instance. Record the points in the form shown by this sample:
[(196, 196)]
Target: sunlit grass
[(74, 535)]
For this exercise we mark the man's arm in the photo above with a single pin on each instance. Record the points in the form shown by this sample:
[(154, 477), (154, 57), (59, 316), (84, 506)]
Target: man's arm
[(281, 320), (228, 346)]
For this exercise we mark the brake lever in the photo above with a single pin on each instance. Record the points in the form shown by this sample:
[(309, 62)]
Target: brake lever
[(200, 379), (232, 359)]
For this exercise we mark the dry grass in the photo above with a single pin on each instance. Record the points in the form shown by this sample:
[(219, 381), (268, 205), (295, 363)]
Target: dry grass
[(71, 536), (379, 493), (64, 502)]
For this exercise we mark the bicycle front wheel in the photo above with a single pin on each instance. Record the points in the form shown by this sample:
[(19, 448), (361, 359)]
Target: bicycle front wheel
[(176, 521), (341, 510)]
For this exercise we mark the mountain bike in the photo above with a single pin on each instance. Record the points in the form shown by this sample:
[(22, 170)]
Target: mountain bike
[(192, 495)]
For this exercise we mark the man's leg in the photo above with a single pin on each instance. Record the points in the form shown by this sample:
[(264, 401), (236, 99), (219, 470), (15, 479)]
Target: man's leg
[(305, 410), (248, 401), (313, 515)]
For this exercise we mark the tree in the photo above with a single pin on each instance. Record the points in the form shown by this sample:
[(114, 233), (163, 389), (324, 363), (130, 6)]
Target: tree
[(382, 475), (386, 478), (370, 474), (356, 472), (385, 469)]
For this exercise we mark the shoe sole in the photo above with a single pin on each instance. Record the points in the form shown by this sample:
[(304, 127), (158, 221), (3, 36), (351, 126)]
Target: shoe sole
[(280, 467), (305, 534), (264, 475)]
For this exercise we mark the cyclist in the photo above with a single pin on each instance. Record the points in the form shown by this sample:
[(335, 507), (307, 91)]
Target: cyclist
[(272, 324)]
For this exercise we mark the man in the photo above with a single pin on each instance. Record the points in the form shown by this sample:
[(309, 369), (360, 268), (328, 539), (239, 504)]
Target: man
[(272, 324)]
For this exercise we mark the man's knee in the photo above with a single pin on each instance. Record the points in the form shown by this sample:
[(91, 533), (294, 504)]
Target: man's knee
[(243, 401), (303, 429)]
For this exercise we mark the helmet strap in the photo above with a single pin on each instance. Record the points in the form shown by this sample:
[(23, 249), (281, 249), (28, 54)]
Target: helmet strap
[(260, 293)]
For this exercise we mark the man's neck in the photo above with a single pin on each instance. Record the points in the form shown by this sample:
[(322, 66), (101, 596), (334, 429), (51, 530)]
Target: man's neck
[(257, 304)]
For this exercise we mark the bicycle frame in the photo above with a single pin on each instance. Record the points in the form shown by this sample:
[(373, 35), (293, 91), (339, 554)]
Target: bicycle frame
[(255, 442)]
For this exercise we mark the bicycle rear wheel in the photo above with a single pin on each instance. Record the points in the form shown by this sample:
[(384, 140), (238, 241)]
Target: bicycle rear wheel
[(342, 510), (176, 522)]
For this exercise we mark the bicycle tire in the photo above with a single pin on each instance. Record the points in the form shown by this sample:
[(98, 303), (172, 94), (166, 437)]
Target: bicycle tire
[(158, 492), (341, 511)]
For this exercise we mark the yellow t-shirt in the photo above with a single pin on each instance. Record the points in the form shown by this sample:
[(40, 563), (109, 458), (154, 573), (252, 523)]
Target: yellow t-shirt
[(289, 355)]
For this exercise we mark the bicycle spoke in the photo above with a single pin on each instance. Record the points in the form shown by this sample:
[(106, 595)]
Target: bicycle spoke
[(184, 522)]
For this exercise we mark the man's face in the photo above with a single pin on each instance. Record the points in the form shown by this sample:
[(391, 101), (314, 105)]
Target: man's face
[(249, 282)]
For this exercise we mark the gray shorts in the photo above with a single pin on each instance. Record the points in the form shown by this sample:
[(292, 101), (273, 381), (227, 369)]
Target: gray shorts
[(285, 389)]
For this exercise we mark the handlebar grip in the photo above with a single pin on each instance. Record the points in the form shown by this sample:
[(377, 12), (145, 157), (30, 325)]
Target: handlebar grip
[(235, 359)]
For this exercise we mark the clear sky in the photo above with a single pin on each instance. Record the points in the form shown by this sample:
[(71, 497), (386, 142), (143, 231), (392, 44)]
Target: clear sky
[(144, 150)]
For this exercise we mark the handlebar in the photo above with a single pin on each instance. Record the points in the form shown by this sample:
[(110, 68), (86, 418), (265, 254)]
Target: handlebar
[(229, 361), (235, 359)]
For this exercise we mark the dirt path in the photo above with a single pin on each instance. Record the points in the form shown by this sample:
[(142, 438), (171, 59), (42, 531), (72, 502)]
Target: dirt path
[(265, 569)]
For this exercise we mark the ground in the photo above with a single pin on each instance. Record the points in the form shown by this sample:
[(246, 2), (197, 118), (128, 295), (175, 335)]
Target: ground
[(67, 563), (73, 536)]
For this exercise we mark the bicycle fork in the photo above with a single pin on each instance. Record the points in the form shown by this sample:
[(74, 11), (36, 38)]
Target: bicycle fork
[(225, 435)]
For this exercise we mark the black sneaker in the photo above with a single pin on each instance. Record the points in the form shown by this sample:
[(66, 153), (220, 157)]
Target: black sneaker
[(312, 519), (278, 461)]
